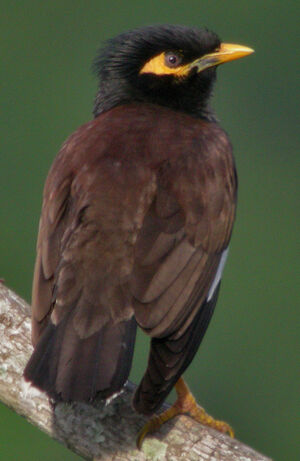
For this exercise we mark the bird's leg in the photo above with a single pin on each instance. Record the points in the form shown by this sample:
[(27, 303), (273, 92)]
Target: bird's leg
[(185, 404)]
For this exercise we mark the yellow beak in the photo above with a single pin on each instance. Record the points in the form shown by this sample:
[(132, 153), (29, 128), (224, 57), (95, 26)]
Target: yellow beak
[(227, 52)]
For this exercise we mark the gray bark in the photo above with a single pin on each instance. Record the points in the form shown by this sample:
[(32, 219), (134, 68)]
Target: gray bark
[(95, 430)]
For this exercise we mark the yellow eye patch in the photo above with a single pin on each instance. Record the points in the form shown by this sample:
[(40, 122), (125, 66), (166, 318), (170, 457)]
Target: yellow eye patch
[(157, 66)]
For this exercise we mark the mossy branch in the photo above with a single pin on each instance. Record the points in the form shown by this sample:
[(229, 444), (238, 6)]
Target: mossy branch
[(95, 430)]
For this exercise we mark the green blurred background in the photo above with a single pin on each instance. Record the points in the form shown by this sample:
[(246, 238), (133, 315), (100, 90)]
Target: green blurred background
[(246, 371)]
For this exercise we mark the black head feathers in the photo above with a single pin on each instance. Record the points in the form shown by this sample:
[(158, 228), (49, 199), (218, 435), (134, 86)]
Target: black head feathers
[(120, 61)]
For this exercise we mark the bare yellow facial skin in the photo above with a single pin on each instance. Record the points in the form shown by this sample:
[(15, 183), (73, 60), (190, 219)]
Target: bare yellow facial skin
[(226, 53), (158, 66)]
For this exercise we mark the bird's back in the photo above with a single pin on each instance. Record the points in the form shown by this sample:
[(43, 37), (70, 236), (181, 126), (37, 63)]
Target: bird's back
[(138, 208)]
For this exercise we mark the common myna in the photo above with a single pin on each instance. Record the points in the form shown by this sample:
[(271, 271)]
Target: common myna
[(137, 215)]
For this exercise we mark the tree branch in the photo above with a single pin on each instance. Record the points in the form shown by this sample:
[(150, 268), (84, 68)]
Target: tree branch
[(98, 431)]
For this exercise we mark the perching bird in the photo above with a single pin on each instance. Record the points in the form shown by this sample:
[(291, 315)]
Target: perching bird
[(136, 220)]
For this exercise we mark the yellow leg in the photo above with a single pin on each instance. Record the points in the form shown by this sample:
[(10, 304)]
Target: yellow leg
[(185, 404)]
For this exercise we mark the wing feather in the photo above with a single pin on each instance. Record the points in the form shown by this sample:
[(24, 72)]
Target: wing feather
[(175, 289), (83, 324)]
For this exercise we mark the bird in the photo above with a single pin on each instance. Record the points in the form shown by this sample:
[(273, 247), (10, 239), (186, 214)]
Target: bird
[(137, 214)]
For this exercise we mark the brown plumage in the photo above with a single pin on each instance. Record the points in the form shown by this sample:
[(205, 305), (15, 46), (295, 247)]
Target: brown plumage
[(138, 209)]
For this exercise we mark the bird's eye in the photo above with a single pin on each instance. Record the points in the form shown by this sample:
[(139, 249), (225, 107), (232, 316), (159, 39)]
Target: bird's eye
[(172, 59)]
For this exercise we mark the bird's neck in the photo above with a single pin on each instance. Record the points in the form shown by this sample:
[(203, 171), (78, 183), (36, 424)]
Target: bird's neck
[(192, 101), (103, 104)]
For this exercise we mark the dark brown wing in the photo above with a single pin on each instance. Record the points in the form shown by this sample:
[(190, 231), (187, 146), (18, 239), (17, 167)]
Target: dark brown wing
[(82, 317), (52, 226), (180, 254)]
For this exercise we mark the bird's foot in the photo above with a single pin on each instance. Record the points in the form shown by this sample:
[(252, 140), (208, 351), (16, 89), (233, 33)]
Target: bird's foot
[(187, 405)]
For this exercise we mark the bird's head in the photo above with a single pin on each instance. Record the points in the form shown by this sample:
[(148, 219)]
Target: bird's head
[(173, 66)]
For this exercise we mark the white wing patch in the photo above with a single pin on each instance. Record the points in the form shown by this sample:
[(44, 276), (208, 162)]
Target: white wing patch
[(218, 275)]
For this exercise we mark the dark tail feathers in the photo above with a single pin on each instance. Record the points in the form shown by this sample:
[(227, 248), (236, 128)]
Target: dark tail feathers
[(169, 359), (70, 368)]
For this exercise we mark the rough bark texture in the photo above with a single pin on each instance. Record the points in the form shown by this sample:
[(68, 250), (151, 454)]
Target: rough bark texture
[(98, 431)]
